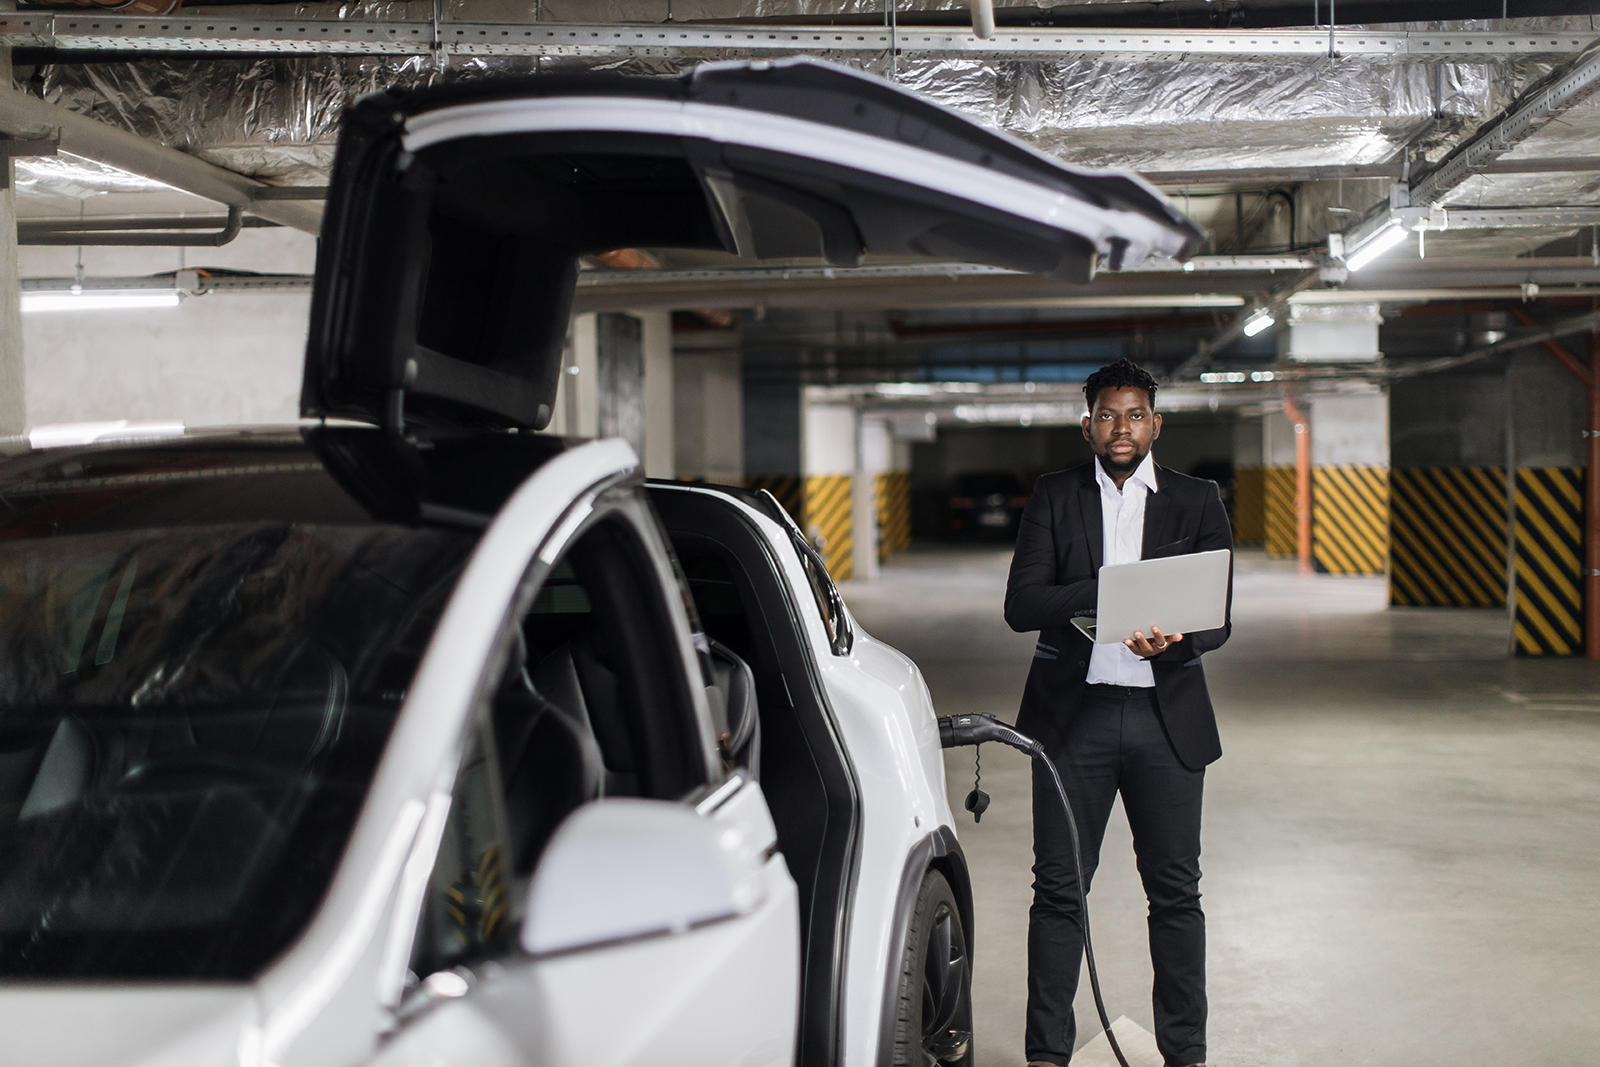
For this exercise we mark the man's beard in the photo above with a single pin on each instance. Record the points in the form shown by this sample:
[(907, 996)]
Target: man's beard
[(1115, 467)]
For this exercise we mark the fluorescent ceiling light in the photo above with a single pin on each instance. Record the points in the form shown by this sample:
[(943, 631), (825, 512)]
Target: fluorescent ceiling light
[(100, 301), (1380, 243), (1258, 322), (57, 435)]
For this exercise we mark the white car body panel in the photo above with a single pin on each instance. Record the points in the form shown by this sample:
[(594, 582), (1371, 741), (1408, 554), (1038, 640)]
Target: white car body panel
[(83, 1025)]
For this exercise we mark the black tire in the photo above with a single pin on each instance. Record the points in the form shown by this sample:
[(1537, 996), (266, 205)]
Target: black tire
[(933, 1026)]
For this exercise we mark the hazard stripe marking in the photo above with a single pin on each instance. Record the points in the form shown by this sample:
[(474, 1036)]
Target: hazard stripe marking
[(828, 522), (892, 492), (1350, 519), (1447, 537), (1249, 506), (1278, 519), (1549, 569), (787, 489)]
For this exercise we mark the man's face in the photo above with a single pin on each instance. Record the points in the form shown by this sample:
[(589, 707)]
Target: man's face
[(1120, 428)]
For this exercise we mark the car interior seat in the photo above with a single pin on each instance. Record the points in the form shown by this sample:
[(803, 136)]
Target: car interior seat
[(550, 759), (279, 726)]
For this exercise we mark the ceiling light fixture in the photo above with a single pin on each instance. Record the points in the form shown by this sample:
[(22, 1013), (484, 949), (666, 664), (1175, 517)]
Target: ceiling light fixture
[(1377, 245), (89, 300), (1261, 320)]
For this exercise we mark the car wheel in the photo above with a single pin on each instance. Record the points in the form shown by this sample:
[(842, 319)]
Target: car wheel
[(934, 1024)]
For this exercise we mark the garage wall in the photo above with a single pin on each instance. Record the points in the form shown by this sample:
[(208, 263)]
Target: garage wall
[(213, 360)]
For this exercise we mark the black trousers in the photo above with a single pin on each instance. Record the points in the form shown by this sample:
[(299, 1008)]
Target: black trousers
[(1116, 743)]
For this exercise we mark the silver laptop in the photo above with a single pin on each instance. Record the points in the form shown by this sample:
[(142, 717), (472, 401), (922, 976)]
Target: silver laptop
[(1180, 594)]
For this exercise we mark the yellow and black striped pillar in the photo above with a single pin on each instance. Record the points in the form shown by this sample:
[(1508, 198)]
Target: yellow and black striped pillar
[(1249, 506), (1350, 518), (787, 489), (1548, 616), (1279, 529), (1447, 536), (828, 522), (893, 495)]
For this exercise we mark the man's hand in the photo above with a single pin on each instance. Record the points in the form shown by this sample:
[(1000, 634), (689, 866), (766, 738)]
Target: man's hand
[(1157, 643)]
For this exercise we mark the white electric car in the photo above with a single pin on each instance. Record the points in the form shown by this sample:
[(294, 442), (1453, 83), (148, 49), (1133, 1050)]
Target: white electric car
[(412, 736)]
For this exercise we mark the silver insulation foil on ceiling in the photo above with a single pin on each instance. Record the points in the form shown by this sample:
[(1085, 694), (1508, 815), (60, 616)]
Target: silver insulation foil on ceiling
[(276, 118)]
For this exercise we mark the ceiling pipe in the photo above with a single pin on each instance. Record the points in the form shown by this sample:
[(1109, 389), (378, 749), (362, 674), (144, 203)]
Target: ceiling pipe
[(24, 115), (983, 19), (152, 232)]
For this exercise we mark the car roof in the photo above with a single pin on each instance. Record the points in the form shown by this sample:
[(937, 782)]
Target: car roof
[(285, 474)]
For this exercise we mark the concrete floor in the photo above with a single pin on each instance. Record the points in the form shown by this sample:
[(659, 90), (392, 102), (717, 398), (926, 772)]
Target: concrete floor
[(1402, 841)]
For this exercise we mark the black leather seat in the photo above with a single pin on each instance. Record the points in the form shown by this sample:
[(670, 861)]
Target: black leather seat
[(549, 757)]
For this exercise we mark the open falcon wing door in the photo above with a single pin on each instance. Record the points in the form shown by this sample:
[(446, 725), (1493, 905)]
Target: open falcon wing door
[(458, 215)]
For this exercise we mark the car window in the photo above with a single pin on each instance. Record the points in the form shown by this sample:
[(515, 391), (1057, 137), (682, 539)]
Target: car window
[(592, 702), (829, 603), (189, 719), (468, 912)]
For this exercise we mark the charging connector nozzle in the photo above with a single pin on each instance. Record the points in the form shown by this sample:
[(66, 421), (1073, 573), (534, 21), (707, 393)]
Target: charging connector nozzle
[(958, 730)]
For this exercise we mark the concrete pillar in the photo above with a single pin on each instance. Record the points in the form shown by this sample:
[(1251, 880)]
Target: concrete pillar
[(577, 407), (1548, 409), (619, 351), (708, 417), (1278, 510), (1350, 481), (874, 454), (1448, 493), (13, 410), (1249, 482), (658, 394), (829, 456), (772, 437)]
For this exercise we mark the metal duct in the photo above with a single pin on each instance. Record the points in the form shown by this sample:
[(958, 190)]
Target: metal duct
[(82, 136), (275, 118)]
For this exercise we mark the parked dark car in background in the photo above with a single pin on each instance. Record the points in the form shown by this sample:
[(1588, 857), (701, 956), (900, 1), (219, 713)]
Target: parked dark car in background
[(986, 504)]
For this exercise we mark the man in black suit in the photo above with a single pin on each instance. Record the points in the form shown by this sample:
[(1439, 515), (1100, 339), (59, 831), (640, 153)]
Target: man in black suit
[(1133, 718)]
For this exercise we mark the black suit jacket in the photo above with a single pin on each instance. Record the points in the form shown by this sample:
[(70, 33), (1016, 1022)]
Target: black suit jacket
[(1054, 578)]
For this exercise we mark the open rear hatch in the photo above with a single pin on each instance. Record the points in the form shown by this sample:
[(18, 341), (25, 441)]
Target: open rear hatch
[(458, 215)]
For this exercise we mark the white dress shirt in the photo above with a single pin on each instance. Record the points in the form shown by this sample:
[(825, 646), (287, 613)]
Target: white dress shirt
[(1122, 529)]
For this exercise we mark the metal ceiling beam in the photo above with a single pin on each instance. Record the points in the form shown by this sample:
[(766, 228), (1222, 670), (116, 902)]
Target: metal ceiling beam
[(1507, 218), (24, 115), (216, 32), (1393, 171), (1312, 371), (1532, 109)]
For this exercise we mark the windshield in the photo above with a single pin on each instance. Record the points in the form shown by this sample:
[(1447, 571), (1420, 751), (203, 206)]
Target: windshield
[(189, 718)]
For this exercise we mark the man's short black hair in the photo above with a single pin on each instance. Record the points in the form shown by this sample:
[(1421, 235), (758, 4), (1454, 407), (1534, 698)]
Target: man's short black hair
[(1119, 375)]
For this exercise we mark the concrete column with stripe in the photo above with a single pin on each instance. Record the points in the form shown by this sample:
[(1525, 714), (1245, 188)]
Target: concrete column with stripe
[(1249, 482), (829, 455), (1547, 417), (1350, 482)]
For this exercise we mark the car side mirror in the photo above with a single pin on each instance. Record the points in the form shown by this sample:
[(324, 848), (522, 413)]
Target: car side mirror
[(620, 869)]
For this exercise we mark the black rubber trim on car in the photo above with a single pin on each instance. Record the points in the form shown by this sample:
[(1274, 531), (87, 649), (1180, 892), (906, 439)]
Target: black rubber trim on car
[(939, 851)]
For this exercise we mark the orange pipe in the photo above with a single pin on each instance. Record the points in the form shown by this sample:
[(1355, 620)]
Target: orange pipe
[(1302, 480)]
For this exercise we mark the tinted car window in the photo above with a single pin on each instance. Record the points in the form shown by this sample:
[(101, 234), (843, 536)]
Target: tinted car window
[(189, 718)]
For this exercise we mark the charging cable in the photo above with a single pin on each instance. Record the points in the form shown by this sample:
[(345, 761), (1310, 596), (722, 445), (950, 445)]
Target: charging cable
[(957, 730)]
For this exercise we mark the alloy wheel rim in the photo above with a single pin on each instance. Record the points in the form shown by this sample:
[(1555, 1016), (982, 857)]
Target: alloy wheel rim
[(946, 1022)]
